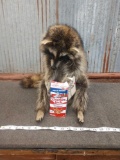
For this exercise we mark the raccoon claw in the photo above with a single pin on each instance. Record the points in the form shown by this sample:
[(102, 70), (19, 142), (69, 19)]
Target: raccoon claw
[(80, 116), (40, 115)]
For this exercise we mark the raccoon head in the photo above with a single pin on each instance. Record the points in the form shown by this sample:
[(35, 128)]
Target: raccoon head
[(59, 37), (63, 49), (61, 58)]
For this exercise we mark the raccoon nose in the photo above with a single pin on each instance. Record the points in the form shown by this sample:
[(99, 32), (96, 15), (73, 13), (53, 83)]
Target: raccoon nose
[(53, 67)]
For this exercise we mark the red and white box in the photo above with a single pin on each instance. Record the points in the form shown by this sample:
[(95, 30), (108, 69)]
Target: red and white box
[(59, 95), (58, 99)]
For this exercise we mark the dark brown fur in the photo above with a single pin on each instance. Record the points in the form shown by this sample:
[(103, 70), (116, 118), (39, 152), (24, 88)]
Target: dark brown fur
[(64, 57)]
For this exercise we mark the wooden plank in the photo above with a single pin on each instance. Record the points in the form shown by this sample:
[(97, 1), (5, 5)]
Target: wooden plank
[(6, 76), (56, 154), (27, 157), (104, 75), (13, 76), (78, 157), (11, 154), (52, 152)]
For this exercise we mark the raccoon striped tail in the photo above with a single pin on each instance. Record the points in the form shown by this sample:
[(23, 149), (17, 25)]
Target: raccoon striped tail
[(31, 81)]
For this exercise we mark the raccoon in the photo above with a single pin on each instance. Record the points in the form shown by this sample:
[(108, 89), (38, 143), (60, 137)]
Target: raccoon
[(64, 57)]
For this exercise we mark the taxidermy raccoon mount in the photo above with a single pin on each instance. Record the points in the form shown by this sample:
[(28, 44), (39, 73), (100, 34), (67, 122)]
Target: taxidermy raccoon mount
[(64, 57)]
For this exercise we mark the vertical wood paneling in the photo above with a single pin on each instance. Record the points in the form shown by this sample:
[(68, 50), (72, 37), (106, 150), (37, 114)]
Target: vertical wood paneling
[(114, 65), (23, 24), (46, 17), (95, 20)]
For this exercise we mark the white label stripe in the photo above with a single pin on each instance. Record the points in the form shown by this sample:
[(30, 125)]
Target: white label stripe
[(56, 128), (58, 105), (51, 111)]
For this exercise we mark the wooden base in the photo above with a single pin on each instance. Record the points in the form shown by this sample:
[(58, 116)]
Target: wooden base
[(54, 154), (65, 154)]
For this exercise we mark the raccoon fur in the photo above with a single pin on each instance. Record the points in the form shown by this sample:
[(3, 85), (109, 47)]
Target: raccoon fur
[(32, 81), (64, 57)]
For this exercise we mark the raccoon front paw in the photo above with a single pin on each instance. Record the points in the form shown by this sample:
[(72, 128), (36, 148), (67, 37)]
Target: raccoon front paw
[(40, 115), (80, 116)]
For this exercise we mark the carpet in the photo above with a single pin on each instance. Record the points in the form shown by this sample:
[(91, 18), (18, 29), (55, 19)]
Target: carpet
[(17, 107)]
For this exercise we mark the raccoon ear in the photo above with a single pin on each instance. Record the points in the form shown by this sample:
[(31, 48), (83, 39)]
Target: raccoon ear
[(46, 41), (74, 50), (74, 53)]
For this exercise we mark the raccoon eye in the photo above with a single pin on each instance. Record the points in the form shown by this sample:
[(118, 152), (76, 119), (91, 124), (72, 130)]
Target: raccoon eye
[(64, 58), (56, 40), (51, 56)]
